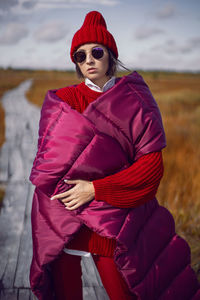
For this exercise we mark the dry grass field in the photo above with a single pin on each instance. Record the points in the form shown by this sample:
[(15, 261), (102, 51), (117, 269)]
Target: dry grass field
[(178, 96), (179, 102)]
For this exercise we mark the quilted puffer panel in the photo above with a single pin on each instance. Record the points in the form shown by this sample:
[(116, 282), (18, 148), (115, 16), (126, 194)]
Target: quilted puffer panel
[(115, 130)]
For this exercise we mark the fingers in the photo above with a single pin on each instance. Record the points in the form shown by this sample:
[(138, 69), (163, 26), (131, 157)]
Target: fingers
[(73, 207), (62, 195), (71, 181), (67, 200), (58, 196), (70, 204), (80, 194), (69, 192)]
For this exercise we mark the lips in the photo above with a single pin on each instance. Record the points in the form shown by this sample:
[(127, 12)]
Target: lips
[(90, 70)]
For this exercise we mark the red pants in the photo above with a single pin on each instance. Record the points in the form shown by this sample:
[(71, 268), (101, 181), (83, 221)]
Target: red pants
[(68, 284)]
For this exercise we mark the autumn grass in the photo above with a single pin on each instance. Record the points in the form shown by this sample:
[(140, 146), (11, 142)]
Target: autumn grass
[(180, 187), (179, 100), (178, 96), (49, 80)]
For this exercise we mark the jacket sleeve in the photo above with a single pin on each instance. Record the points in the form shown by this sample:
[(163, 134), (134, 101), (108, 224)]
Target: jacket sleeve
[(133, 186)]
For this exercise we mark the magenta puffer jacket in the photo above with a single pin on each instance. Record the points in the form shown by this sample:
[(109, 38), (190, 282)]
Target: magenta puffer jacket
[(115, 130)]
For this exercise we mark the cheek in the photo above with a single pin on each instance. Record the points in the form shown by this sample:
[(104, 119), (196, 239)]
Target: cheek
[(82, 69), (105, 64)]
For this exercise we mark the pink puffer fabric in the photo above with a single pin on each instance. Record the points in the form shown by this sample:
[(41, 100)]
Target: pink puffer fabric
[(115, 130)]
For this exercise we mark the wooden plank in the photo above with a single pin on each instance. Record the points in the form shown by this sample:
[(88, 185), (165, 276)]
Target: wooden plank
[(11, 226), (32, 296), (21, 118), (15, 240), (9, 294), (4, 158), (25, 250), (23, 294), (16, 157)]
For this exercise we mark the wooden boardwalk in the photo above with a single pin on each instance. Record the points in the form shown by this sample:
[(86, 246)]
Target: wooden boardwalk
[(16, 157)]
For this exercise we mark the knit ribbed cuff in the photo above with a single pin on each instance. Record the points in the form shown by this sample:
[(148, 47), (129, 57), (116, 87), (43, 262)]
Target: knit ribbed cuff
[(133, 186), (103, 189)]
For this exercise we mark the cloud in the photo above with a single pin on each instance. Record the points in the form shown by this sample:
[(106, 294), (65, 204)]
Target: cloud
[(13, 33), (100, 2), (195, 42), (191, 45), (159, 61), (53, 4), (11, 10), (30, 50), (25, 6), (29, 4), (174, 47), (147, 32), (51, 32), (166, 12), (14, 9), (108, 2), (6, 4)]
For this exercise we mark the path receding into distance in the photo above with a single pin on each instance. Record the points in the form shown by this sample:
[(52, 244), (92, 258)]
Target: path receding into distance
[(16, 158)]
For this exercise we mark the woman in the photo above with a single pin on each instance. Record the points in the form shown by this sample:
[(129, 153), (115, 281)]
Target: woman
[(99, 161)]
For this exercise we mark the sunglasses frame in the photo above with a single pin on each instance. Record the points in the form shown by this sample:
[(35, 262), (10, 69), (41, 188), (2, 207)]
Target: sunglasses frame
[(92, 52)]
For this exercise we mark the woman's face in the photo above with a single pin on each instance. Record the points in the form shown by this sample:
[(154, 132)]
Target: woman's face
[(92, 68)]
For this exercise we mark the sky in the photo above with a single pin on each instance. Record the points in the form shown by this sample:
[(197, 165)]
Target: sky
[(150, 34)]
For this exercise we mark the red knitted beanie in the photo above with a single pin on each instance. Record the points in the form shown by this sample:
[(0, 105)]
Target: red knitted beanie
[(93, 30)]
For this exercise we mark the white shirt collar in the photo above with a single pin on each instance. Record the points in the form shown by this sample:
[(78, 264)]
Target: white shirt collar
[(96, 88)]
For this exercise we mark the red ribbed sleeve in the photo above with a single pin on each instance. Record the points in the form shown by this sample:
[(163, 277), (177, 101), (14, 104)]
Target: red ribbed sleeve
[(133, 186)]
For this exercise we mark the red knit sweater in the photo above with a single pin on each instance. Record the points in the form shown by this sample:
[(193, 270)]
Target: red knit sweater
[(128, 188)]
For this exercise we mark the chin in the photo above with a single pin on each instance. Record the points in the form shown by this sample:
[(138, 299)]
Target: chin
[(93, 77)]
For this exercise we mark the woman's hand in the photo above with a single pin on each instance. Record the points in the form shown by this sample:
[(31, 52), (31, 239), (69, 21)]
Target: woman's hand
[(81, 193)]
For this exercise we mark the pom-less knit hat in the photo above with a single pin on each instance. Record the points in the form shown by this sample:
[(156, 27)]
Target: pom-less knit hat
[(93, 30)]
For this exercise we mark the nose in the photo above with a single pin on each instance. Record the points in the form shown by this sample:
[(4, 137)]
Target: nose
[(89, 58)]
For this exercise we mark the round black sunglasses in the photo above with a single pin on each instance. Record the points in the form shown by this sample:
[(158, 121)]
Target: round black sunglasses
[(80, 56)]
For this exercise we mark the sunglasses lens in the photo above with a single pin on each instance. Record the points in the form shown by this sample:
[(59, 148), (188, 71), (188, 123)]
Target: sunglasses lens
[(97, 52), (79, 56)]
